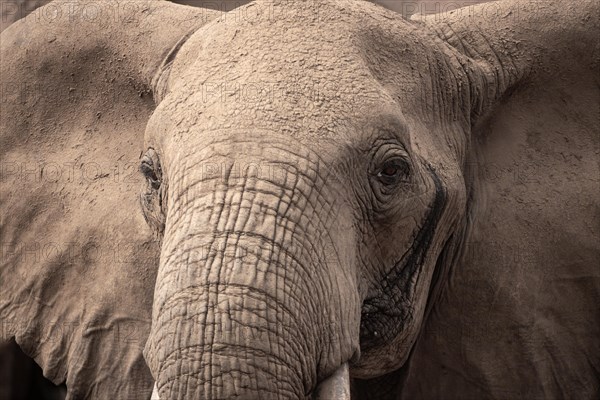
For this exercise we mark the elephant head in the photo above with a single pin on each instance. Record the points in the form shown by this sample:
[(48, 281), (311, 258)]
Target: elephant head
[(307, 182)]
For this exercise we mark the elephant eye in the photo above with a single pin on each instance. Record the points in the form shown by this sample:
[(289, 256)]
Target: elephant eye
[(150, 167), (153, 199), (393, 171)]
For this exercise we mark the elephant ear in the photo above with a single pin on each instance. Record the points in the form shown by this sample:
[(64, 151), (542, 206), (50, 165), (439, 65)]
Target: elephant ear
[(78, 262), (518, 317)]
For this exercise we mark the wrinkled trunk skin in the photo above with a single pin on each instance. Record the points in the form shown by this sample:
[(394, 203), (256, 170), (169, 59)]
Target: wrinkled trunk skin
[(248, 302)]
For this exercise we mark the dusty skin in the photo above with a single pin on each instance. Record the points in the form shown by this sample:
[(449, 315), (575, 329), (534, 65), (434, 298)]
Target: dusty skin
[(237, 205), (13, 10)]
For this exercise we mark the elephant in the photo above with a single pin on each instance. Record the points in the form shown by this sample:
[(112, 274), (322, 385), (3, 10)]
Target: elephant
[(303, 199)]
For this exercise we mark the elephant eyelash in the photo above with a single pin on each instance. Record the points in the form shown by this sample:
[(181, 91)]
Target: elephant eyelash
[(150, 174), (390, 165), (150, 168), (153, 200)]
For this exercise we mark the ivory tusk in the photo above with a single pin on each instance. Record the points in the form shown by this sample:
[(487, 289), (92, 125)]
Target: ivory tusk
[(155, 393), (336, 387)]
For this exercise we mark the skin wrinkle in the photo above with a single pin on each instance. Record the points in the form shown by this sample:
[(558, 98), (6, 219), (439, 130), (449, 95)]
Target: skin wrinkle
[(456, 107), (283, 387), (278, 377), (285, 227), (409, 266), (479, 47), (437, 209), (305, 196), (219, 273), (376, 241), (499, 72), (188, 188), (226, 239), (275, 226), (220, 267), (309, 196), (173, 358), (327, 210), (291, 255), (432, 88), (189, 236), (208, 269), (247, 234)]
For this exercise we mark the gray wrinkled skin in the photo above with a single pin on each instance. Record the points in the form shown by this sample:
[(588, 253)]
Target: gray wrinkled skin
[(315, 191)]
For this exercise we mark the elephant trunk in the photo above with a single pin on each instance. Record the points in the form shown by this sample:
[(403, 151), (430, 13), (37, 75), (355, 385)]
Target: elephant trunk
[(228, 340), (336, 386), (249, 304)]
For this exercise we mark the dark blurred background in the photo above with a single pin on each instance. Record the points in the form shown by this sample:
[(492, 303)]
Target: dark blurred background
[(22, 379)]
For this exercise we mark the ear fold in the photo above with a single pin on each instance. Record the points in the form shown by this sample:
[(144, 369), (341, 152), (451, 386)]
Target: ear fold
[(78, 261), (513, 43), (522, 302)]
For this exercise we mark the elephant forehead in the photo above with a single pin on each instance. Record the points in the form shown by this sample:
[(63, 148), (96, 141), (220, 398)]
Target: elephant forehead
[(300, 70)]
